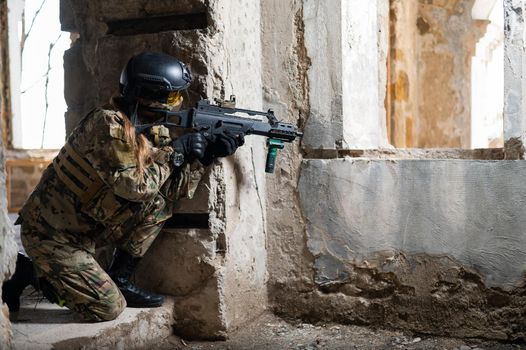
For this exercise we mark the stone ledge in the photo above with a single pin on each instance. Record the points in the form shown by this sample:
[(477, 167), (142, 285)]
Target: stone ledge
[(31, 154), (409, 153), (47, 326)]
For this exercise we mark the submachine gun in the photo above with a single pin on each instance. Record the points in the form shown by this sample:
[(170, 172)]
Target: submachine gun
[(212, 120)]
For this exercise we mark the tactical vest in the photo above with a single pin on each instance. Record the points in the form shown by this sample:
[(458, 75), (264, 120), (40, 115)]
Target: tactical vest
[(98, 200), (81, 178), (77, 174)]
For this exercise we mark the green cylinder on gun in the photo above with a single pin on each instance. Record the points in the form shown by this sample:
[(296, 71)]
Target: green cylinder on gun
[(273, 146)]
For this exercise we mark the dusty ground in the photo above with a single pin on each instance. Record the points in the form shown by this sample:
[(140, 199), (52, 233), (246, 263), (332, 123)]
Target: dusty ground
[(272, 333)]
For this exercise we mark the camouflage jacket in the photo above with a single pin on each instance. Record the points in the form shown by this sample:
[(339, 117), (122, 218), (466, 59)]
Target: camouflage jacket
[(99, 139)]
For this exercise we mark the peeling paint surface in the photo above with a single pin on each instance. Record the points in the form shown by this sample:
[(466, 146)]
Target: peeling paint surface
[(472, 211)]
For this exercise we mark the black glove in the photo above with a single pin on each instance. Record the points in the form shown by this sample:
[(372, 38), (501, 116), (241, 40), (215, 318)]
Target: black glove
[(224, 145), (191, 146)]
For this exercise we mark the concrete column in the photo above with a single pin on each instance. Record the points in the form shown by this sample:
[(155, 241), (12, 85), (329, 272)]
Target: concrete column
[(364, 72), (514, 78), (347, 44), (15, 9), (8, 248)]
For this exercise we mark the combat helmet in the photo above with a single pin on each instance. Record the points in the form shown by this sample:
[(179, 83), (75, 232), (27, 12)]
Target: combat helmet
[(155, 80)]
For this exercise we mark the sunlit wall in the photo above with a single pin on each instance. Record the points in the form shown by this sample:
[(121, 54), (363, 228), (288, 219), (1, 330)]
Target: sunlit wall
[(487, 103)]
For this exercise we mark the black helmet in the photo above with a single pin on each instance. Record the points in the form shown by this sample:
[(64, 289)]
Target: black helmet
[(154, 77)]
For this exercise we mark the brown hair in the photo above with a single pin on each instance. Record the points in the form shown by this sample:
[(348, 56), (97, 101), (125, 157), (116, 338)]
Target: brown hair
[(138, 142)]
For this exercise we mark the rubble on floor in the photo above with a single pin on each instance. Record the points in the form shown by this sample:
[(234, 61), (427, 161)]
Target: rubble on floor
[(270, 333)]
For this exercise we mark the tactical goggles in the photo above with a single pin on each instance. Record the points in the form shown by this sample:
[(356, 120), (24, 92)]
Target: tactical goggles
[(174, 98), (171, 98)]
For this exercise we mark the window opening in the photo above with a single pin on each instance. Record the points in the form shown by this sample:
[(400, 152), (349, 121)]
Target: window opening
[(446, 74), (36, 49)]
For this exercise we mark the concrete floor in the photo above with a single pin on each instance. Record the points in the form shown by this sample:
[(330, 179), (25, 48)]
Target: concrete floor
[(271, 333), (41, 325)]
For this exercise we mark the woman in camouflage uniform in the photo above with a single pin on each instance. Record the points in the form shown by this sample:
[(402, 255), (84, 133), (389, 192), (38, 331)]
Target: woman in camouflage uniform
[(111, 185)]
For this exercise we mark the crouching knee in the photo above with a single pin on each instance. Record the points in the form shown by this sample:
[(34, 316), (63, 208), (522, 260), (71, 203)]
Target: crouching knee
[(112, 311), (105, 310)]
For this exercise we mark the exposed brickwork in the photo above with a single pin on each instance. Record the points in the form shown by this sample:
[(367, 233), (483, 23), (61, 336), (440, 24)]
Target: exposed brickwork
[(22, 177)]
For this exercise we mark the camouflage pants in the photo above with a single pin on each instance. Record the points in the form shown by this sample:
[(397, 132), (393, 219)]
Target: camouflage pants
[(66, 261)]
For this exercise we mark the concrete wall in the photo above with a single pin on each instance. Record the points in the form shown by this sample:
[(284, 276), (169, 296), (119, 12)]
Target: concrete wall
[(286, 87), (425, 245), (402, 100), (220, 41), (451, 238), (8, 247)]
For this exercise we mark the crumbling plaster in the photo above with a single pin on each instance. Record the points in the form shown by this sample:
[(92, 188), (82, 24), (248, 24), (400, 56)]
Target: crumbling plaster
[(286, 89), (443, 256), (471, 211)]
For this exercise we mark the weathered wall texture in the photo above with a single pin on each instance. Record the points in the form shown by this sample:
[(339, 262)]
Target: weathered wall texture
[(425, 245), (469, 210), (8, 247), (431, 100), (450, 226), (286, 90), (402, 102), (220, 41), (514, 77), (431, 246)]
